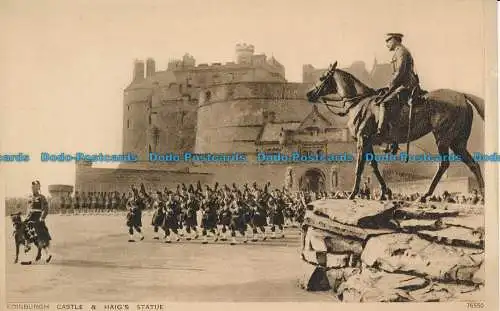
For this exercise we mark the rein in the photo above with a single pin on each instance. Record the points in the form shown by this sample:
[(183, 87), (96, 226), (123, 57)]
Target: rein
[(352, 100)]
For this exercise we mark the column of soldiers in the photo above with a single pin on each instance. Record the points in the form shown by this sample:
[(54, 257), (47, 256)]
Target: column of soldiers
[(92, 202), (225, 212)]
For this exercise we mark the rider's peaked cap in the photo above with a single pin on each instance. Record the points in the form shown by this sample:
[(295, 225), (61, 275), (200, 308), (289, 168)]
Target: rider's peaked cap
[(35, 182), (393, 35)]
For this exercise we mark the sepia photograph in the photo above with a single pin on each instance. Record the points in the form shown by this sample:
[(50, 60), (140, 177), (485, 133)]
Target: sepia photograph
[(161, 152)]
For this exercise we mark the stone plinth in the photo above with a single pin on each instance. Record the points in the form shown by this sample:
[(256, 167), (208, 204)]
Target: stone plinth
[(371, 251)]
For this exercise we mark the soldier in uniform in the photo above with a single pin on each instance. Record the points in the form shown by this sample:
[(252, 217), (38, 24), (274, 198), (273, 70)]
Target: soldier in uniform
[(158, 214), (135, 206), (77, 203), (209, 216), (38, 209), (404, 82), (170, 221)]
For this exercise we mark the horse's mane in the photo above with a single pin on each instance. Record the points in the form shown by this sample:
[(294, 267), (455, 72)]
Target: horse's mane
[(369, 90)]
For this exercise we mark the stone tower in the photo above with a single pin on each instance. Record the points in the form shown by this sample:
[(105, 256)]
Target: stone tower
[(244, 53)]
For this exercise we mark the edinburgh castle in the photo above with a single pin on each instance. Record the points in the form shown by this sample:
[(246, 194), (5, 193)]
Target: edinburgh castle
[(244, 106)]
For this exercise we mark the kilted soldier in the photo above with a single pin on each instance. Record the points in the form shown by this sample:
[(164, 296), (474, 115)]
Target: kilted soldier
[(83, 204), (289, 212), (107, 201), (135, 206), (190, 220), (101, 202), (69, 203), (259, 215), (237, 219), (77, 203), (225, 217), (276, 206), (38, 209), (209, 216), (115, 198), (158, 214), (62, 204), (171, 220), (93, 199)]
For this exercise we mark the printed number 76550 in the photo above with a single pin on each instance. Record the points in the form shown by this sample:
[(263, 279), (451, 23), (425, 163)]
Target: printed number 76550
[(475, 305)]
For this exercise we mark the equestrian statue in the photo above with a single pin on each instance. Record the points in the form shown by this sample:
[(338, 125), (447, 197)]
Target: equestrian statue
[(399, 114)]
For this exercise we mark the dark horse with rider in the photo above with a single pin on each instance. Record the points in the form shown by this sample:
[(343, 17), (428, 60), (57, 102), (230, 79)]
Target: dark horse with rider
[(400, 113), (33, 229)]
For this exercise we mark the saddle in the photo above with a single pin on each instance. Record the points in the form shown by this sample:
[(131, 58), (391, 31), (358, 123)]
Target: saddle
[(418, 96)]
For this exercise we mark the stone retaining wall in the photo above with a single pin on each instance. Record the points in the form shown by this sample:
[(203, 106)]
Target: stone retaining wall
[(370, 251)]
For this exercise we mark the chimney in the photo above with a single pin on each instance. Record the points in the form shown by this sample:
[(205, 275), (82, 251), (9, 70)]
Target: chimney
[(150, 67), (138, 70)]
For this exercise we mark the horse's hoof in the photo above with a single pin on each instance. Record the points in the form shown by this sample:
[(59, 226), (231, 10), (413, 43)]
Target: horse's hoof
[(131, 240), (48, 259), (15, 261), (254, 240), (204, 242), (26, 263), (156, 238), (142, 238), (168, 242), (189, 239), (352, 197)]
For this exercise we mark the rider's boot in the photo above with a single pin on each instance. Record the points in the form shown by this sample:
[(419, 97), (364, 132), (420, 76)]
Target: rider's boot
[(381, 126)]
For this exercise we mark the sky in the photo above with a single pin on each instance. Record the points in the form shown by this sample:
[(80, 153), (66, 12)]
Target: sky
[(64, 64)]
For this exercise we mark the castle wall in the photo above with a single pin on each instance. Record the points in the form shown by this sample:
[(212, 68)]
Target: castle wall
[(135, 118), (231, 115), (89, 179)]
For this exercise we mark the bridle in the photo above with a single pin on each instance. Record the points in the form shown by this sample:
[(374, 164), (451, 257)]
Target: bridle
[(327, 78)]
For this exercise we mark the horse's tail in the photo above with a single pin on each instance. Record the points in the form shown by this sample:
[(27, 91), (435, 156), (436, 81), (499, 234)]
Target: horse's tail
[(477, 102)]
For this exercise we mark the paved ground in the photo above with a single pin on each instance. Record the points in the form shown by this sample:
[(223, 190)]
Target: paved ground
[(94, 262)]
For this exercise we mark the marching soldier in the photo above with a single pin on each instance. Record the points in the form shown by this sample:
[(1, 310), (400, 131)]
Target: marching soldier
[(77, 203), (171, 221), (135, 207), (403, 83), (209, 216), (158, 214), (191, 206)]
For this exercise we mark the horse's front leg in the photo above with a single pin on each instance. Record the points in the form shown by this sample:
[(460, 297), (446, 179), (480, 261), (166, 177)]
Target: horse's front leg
[(360, 165), (17, 252), (39, 252), (378, 175)]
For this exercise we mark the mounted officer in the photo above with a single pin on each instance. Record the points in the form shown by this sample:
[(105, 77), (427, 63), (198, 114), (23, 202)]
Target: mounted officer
[(404, 84), (38, 209)]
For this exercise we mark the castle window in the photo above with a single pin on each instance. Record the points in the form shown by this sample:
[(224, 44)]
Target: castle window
[(149, 148), (208, 95), (149, 119), (128, 124), (128, 107)]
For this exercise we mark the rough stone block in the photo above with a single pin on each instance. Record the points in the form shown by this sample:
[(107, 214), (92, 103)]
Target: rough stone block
[(410, 254), (334, 227), (377, 286), (362, 213), (456, 236)]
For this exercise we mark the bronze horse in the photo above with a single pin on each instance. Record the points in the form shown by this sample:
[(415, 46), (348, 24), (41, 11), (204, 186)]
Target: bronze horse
[(446, 113)]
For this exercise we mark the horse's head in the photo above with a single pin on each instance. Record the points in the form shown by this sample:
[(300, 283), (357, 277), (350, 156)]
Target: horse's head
[(325, 86), (16, 219)]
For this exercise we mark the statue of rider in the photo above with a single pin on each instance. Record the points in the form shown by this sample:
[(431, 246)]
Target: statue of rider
[(404, 82)]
